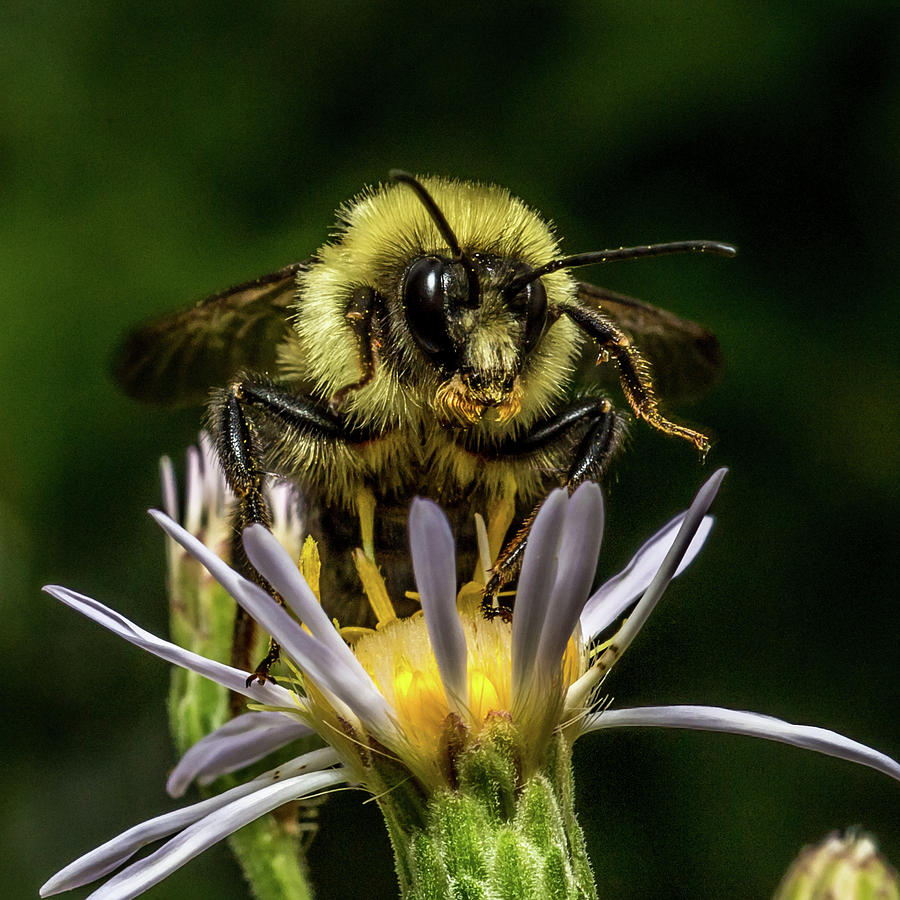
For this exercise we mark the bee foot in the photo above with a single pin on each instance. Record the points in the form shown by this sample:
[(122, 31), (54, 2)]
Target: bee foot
[(261, 677), (489, 609), (261, 672)]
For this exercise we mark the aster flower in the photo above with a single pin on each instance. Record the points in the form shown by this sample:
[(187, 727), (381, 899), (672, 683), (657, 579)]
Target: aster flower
[(459, 726)]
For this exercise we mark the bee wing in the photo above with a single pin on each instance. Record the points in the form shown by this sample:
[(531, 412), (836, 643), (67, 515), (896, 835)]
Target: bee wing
[(684, 356), (177, 358)]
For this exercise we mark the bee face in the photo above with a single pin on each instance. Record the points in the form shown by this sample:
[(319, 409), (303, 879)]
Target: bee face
[(471, 321), (451, 334)]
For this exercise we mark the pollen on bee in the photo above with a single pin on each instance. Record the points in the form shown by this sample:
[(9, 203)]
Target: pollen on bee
[(511, 405), (453, 402)]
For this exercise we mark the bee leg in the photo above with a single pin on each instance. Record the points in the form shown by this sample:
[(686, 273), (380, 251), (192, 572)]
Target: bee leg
[(634, 372), (241, 458), (360, 317), (602, 437), (597, 447)]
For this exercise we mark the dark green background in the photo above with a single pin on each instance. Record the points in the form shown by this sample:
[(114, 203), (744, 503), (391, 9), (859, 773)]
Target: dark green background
[(149, 156)]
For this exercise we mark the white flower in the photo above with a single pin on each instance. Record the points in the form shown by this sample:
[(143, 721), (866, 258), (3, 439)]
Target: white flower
[(399, 692)]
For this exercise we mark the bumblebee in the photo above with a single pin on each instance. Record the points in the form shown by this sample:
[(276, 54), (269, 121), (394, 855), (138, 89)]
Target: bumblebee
[(436, 345)]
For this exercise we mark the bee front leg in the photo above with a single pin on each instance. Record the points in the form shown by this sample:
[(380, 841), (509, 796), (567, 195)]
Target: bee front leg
[(241, 454), (603, 432), (361, 317), (634, 371)]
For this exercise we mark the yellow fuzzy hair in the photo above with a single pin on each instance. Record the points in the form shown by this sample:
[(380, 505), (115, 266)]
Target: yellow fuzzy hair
[(378, 233)]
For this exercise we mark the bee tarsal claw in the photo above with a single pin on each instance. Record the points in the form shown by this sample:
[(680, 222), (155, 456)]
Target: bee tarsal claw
[(493, 604)]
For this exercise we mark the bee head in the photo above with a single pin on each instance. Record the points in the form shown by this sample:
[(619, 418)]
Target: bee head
[(401, 316), (475, 317)]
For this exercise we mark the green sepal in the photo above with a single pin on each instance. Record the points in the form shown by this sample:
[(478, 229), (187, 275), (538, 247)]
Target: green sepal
[(458, 824), (538, 817), (431, 878), (488, 770), (469, 887), (492, 836), (272, 859), (516, 867)]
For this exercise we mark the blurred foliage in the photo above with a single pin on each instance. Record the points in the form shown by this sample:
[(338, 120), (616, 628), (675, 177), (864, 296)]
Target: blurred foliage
[(150, 154)]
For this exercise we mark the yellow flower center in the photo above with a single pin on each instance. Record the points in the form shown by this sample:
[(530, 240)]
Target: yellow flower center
[(401, 662), (399, 658)]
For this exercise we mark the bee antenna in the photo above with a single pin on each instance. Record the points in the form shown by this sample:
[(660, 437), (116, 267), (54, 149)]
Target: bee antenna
[(443, 226), (602, 256)]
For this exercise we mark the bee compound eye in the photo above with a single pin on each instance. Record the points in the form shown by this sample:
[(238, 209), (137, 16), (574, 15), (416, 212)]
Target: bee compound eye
[(425, 303), (534, 305)]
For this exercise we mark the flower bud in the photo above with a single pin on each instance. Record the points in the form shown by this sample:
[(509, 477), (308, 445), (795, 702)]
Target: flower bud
[(846, 867)]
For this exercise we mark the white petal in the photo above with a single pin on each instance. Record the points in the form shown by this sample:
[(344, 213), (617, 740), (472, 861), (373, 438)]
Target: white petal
[(233, 679), (169, 488), (732, 721), (683, 539), (113, 853), (434, 565), (611, 599), (194, 492), (280, 500), (215, 489), (328, 665), (287, 513), (533, 593), (240, 742), (274, 563), (198, 837), (318, 661), (578, 552)]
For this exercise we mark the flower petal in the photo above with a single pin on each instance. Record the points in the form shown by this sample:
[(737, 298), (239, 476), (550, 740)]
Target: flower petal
[(240, 742), (732, 721), (535, 585), (683, 539), (228, 676), (611, 599), (113, 853), (579, 549), (287, 512), (274, 563), (196, 838), (318, 661), (327, 665), (434, 565), (208, 492), (169, 488)]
